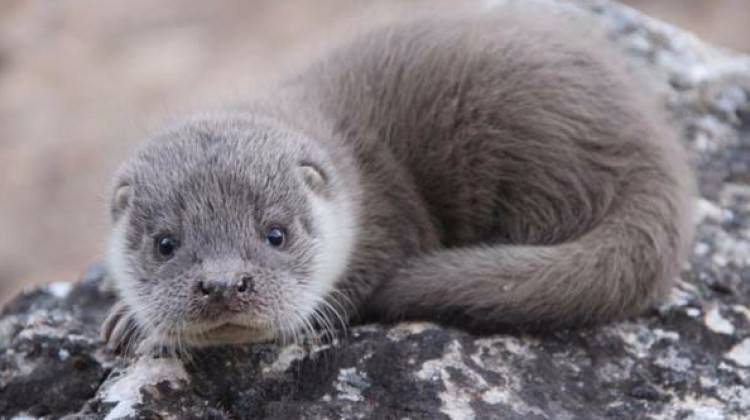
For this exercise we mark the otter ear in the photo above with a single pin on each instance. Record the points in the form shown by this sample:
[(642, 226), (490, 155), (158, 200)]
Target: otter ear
[(313, 177), (121, 200)]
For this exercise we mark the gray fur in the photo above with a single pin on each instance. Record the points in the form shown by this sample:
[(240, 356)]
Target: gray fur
[(503, 171)]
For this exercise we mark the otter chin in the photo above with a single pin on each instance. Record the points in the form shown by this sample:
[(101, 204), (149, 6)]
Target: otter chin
[(232, 334)]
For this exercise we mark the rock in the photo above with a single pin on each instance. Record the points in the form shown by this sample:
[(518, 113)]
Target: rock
[(689, 358)]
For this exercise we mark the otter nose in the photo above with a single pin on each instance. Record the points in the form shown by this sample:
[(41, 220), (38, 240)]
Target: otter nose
[(218, 288)]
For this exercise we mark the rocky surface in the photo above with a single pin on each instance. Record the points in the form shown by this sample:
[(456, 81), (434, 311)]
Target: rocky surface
[(689, 358)]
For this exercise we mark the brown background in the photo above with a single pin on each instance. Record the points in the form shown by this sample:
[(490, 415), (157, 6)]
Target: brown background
[(82, 81)]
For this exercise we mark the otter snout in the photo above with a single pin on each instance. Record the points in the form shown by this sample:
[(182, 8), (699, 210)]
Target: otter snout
[(225, 292)]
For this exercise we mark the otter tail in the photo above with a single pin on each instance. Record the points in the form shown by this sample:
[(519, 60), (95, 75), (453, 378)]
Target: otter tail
[(618, 268)]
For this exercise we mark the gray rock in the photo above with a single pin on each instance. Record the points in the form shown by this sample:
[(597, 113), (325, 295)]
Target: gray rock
[(689, 358)]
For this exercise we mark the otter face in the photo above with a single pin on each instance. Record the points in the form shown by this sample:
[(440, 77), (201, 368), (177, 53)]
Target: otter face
[(226, 229)]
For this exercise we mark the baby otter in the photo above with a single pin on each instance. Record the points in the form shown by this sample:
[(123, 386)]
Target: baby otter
[(483, 171)]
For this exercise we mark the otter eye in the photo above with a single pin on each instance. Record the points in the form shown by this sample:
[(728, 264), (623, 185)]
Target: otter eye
[(166, 245), (275, 236)]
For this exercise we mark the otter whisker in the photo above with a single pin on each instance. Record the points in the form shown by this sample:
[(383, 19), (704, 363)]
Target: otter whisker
[(345, 303), (342, 319)]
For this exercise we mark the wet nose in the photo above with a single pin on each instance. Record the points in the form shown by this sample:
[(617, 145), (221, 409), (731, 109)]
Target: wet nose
[(225, 288)]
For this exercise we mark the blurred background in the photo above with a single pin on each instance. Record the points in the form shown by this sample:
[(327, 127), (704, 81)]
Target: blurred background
[(81, 83)]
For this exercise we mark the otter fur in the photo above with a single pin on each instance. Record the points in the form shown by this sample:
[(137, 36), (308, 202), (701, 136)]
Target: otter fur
[(483, 171)]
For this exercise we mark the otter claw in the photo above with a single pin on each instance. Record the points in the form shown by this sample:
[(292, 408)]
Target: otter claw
[(114, 315), (119, 330)]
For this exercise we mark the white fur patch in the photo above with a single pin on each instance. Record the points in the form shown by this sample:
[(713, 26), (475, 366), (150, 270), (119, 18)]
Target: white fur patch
[(337, 226), (118, 267), (116, 263)]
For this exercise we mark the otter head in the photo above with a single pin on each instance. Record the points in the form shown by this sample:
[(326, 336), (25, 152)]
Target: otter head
[(227, 229)]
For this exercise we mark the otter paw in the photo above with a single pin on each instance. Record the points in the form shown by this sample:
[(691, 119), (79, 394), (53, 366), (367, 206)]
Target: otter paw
[(120, 331)]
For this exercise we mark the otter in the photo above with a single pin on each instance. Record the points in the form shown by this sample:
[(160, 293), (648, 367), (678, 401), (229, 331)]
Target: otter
[(482, 171)]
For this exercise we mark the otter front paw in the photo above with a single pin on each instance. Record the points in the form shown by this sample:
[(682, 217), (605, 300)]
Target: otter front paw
[(120, 330)]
